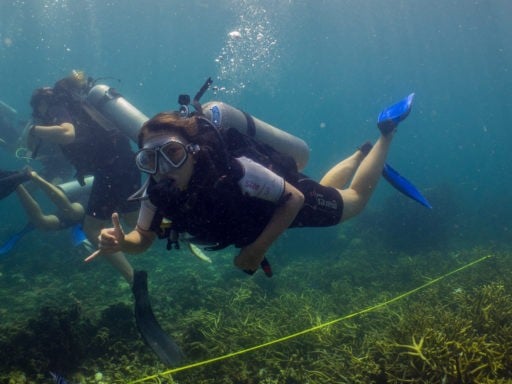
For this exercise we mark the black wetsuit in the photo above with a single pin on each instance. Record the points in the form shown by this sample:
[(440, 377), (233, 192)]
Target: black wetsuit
[(220, 213), (105, 155)]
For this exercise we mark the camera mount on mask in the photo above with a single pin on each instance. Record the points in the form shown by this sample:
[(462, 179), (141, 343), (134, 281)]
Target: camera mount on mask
[(184, 100)]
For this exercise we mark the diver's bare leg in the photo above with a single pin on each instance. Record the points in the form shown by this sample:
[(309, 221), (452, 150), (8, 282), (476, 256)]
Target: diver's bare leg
[(366, 178), (339, 175), (72, 211), (34, 212)]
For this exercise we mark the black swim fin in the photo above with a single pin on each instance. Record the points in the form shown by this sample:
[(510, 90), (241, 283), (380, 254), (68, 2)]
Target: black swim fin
[(9, 180), (154, 336)]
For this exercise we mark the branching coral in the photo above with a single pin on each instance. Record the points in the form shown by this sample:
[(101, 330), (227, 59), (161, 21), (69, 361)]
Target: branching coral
[(457, 331)]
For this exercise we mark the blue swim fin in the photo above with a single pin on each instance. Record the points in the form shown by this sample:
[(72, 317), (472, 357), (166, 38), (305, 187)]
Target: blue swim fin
[(9, 244), (404, 185), (77, 235), (389, 118)]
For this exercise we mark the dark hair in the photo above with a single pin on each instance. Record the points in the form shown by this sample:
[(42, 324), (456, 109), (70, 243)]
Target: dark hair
[(196, 130), (45, 94), (75, 82), (170, 122)]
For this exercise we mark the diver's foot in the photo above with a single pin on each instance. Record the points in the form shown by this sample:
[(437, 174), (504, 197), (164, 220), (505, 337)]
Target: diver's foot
[(390, 117), (365, 148), (9, 180)]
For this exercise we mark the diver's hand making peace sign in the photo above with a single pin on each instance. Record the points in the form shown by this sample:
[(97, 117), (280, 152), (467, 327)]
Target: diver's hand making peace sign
[(110, 239)]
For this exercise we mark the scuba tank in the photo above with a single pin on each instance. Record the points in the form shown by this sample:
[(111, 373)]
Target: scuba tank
[(112, 111), (75, 192), (225, 117)]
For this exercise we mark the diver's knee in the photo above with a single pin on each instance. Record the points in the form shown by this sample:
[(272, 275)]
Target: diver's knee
[(353, 203), (46, 222), (77, 212)]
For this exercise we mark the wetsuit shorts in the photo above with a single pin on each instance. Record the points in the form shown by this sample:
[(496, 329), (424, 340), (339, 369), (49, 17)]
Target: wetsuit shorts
[(112, 186), (323, 206)]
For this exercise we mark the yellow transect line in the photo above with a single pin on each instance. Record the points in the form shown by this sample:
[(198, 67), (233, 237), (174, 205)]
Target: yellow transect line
[(312, 329)]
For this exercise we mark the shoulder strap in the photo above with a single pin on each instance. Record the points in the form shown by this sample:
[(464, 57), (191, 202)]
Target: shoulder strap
[(239, 144)]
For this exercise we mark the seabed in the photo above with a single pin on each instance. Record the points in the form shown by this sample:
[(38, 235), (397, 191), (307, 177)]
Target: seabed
[(61, 315)]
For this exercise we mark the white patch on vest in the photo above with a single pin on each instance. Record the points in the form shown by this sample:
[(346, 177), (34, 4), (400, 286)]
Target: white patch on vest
[(259, 181), (146, 213)]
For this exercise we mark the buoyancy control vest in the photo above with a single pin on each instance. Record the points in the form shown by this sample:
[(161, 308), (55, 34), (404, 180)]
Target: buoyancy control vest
[(217, 213), (93, 148)]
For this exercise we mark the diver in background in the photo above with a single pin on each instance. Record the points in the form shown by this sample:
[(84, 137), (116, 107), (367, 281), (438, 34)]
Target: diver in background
[(102, 151), (51, 163), (92, 150), (68, 213), (69, 199)]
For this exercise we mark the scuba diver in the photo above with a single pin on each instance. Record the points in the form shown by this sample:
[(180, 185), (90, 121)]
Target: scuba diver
[(51, 163), (223, 199), (59, 117), (69, 204), (100, 147), (68, 212), (224, 177)]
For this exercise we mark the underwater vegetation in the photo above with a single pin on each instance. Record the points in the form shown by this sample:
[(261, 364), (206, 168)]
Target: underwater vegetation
[(473, 344), (77, 320), (454, 332)]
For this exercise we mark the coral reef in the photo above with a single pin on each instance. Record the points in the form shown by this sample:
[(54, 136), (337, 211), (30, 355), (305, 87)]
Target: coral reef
[(456, 331)]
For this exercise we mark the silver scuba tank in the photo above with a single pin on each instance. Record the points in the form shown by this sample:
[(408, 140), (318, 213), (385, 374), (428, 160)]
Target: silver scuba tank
[(75, 192), (224, 116), (112, 111)]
